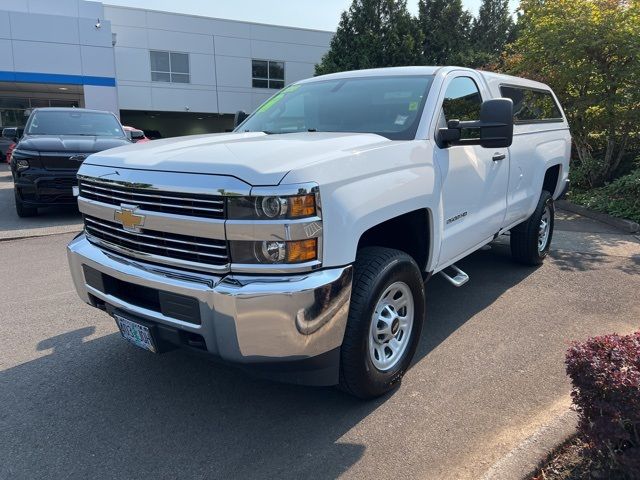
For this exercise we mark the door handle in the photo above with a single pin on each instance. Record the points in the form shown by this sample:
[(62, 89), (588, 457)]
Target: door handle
[(498, 156)]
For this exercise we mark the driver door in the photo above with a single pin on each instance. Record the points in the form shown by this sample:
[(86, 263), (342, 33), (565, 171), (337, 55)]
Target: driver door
[(474, 179)]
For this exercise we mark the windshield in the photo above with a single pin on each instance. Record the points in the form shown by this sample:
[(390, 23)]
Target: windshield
[(43, 122), (387, 106)]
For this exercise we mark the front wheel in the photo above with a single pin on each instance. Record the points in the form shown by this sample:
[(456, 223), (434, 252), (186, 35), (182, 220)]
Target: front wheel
[(386, 315), (21, 209), (530, 241)]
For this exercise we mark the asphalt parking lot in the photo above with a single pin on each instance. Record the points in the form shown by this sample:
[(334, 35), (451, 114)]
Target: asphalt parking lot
[(78, 402)]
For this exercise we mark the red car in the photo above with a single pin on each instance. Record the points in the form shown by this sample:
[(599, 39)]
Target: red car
[(9, 151), (136, 135)]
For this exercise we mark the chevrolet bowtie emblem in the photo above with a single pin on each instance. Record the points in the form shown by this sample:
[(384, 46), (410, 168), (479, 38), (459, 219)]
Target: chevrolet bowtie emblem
[(129, 220)]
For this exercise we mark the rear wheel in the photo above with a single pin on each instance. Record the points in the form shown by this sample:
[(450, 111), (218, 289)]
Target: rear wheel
[(21, 209), (385, 322), (530, 241)]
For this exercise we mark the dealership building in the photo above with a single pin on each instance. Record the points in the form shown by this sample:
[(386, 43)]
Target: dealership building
[(172, 73)]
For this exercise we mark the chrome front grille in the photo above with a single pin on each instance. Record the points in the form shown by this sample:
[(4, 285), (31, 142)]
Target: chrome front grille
[(189, 204), (197, 253)]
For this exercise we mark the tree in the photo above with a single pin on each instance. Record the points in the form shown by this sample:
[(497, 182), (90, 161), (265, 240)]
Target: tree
[(373, 33), (589, 52), (490, 32), (445, 26)]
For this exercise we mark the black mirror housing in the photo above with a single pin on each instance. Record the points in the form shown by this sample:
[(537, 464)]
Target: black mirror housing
[(240, 117), (496, 119), (495, 125)]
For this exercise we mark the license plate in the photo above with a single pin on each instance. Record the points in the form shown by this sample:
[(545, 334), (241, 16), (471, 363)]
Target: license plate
[(135, 333)]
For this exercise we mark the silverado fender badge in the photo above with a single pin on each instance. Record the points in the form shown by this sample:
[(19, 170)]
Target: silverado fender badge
[(457, 217), (128, 218)]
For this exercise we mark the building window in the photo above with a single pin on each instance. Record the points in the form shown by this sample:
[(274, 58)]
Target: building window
[(169, 67), (267, 74)]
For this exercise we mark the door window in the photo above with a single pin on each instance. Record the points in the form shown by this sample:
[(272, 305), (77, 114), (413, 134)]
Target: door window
[(462, 101)]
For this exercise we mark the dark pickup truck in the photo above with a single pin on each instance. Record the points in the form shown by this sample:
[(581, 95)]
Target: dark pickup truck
[(56, 141)]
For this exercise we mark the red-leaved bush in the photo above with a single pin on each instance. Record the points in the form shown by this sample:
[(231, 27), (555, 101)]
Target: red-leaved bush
[(605, 372)]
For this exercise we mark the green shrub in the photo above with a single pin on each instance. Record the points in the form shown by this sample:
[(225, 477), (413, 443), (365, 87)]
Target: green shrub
[(620, 198)]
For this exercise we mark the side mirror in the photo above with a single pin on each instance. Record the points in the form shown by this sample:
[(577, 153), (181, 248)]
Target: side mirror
[(128, 134), (239, 118), (495, 125), (10, 133), (496, 118), (137, 135)]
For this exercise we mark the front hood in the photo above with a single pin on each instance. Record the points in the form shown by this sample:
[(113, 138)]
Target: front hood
[(254, 157), (70, 143)]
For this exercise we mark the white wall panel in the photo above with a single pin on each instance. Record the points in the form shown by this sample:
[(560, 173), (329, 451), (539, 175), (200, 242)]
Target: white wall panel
[(180, 42), (93, 10), (97, 61), (286, 51), (56, 7), (176, 100), (90, 35), (234, 47), (126, 16), (13, 6), (179, 23), (203, 70), (134, 98), (290, 35), (233, 71), (47, 58), (5, 28), (231, 102), (130, 36), (133, 64), (230, 28), (101, 98), (295, 71), (44, 28), (6, 59)]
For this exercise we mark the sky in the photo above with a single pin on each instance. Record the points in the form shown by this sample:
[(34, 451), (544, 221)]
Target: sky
[(316, 14)]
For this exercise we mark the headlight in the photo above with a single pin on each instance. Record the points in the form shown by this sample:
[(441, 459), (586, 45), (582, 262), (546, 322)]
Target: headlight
[(274, 251), (22, 164), (271, 207)]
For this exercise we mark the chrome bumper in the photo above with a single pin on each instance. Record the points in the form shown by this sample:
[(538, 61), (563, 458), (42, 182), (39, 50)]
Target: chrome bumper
[(244, 319)]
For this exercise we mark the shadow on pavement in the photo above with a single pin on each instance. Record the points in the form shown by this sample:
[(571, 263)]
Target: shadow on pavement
[(102, 408)]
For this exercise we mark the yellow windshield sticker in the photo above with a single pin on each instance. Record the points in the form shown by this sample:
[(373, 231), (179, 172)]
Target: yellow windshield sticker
[(271, 103), (277, 98), (413, 106)]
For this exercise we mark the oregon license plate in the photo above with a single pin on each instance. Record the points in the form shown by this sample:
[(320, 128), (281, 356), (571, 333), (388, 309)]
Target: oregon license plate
[(135, 333)]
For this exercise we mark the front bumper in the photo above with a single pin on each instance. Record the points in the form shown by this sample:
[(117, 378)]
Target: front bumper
[(40, 187), (262, 321)]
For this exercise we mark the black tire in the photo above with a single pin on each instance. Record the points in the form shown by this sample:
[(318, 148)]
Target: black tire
[(21, 209), (524, 237), (375, 269)]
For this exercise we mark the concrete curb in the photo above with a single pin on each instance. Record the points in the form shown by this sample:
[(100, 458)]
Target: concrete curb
[(20, 235), (625, 225), (524, 459)]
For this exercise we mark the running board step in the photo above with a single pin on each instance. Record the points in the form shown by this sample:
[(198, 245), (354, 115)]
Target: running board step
[(460, 278)]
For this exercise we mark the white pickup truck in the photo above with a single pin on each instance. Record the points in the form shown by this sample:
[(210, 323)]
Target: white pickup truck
[(298, 245)]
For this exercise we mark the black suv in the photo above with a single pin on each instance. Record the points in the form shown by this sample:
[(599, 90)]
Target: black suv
[(54, 144)]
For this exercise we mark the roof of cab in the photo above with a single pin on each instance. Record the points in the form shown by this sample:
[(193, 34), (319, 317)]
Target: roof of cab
[(69, 109), (498, 79), (377, 72), (490, 77)]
